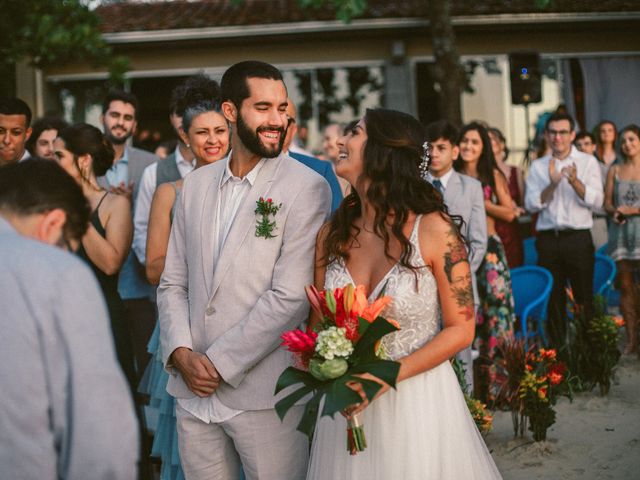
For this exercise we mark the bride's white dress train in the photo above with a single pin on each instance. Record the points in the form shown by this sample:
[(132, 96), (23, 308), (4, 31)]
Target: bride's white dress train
[(422, 431)]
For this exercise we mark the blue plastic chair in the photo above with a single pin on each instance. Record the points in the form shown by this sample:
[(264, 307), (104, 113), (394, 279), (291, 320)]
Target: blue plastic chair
[(531, 287), (530, 252), (602, 250), (604, 273)]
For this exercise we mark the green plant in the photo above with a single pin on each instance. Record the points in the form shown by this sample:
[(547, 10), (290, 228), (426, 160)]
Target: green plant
[(544, 380), (592, 349), (479, 412), (602, 336), (513, 358)]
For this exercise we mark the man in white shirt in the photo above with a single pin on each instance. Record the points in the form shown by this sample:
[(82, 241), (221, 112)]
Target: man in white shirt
[(565, 187)]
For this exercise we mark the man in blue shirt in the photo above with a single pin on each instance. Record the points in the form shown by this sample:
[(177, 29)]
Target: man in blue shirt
[(315, 164)]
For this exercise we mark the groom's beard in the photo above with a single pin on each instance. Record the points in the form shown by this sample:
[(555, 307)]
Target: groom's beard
[(251, 139)]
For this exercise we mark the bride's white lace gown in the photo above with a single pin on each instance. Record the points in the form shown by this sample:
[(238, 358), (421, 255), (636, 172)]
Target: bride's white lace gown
[(422, 431)]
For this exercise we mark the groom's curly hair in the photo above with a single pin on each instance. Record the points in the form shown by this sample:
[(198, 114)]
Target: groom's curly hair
[(392, 156)]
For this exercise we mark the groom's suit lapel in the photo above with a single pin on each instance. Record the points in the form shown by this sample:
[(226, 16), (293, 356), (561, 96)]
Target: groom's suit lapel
[(207, 222), (245, 220)]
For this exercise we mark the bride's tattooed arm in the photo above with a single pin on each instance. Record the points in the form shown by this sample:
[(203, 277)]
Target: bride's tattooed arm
[(457, 268)]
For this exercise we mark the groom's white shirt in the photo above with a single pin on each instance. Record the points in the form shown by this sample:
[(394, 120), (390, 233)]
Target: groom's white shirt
[(234, 305)]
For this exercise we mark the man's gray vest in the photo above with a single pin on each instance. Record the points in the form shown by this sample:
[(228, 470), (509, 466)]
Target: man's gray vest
[(167, 170)]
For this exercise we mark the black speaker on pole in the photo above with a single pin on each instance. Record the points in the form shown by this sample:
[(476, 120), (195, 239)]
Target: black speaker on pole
[(526, 78)]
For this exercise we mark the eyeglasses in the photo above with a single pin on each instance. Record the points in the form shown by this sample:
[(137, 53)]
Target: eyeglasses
[(558, 133)]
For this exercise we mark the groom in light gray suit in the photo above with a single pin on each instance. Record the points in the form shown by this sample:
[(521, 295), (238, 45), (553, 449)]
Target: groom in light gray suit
[(463, 196), (240, 253)]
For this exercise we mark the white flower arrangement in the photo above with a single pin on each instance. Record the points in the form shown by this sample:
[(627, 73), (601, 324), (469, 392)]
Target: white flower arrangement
[(332, 343)]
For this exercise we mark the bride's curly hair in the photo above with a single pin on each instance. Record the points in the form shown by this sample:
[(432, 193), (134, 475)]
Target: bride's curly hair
[(392, 155)]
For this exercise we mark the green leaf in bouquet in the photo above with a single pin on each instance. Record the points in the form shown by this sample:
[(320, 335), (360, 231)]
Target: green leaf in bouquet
[(291, 376), (283, 405), (308, 421), (365, 348), (363, 325), (331, 301), (385, 370), (339, 396)]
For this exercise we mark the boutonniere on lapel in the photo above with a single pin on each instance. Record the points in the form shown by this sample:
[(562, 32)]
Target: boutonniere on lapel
[(265, 225)]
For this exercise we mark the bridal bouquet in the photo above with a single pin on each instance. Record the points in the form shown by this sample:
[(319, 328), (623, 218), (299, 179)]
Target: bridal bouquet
[(345, 344)]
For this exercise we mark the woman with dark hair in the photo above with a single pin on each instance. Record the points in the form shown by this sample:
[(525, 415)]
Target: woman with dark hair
[(85, 154), (509, 232), (44, 132), (393, 234), (606, 135), (496, 317), (622, 202), (205, 131)]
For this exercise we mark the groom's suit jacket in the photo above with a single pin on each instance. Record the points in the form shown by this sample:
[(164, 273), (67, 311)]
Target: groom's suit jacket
[(234, 310), (463, 196)]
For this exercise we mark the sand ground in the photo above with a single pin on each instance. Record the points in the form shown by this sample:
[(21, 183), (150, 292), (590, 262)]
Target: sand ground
[(593, 438)]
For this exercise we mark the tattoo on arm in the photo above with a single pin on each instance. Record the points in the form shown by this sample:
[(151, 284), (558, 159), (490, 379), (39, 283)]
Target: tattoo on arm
[(460, 281)]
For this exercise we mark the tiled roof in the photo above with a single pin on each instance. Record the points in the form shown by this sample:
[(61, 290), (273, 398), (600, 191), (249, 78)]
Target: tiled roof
[(180, 14)]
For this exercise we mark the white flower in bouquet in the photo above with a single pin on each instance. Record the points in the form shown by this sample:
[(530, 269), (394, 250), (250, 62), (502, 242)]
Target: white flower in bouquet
[(333, 342)]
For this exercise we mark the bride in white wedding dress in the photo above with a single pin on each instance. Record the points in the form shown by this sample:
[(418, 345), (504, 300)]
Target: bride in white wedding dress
[(393, 234)]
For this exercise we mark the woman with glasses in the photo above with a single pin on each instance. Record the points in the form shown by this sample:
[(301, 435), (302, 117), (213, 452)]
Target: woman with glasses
[(84, 152)]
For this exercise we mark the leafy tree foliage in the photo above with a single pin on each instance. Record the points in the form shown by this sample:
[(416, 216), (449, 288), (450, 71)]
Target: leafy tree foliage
[(48, 32)]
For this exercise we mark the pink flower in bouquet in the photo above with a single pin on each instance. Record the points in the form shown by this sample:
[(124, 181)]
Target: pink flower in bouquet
[(298, 341), (301, 343)]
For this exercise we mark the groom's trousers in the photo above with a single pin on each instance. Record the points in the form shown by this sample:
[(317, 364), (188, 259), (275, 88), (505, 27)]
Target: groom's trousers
[(267, 448)]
